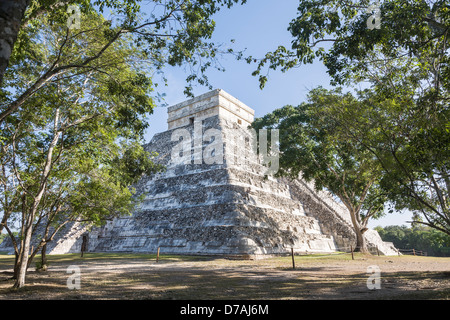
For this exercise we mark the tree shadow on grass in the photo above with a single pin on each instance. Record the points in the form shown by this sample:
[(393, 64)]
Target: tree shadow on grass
[(198, 283)]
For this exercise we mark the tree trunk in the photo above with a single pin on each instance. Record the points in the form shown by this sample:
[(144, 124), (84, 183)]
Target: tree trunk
[(11, 16), (44, 257), (29, 216), (23, 263), (361, 245), (16, 265)]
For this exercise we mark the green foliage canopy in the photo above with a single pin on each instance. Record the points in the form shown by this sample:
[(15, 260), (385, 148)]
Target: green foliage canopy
[(314, 146), (73, 149), (404, 116), (432, 241)]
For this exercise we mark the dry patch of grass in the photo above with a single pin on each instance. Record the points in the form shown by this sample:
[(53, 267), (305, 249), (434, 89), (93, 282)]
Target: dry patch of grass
[(139, 276)]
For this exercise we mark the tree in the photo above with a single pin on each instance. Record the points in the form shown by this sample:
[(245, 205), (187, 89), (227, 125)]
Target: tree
[(170, 32), (62, 150), (412, 146), (404, 59), (312, 146), (11, 15), (15, 13), (422, 238), (406, 30)]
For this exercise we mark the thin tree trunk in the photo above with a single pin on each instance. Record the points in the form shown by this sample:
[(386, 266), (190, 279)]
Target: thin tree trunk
[(34, 252), (44, 257), (23, 259), (16, 265), (361, 245), (19, 253), (11, 15), (16, 250), (29, 218)]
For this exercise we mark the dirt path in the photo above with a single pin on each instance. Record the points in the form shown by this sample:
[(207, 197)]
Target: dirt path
[(178, 278)]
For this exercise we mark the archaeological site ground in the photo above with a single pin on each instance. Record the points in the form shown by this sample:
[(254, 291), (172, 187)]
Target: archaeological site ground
[(177, 277), (224, 228), (218, 196)]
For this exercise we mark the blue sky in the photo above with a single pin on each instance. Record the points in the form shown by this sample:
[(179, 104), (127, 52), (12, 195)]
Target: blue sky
[(258, 26)]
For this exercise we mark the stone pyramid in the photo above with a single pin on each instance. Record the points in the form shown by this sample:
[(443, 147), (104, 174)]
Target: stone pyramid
[(217, 196)]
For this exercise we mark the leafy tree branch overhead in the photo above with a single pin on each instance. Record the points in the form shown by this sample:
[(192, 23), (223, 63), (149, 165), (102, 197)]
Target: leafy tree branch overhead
[(313, 147), (171, 32), (409, 29), (62, 149), (403, 117), (74, 107)]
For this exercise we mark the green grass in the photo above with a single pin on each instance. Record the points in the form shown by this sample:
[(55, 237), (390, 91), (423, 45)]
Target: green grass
[(281, 261), (300, 259), (76, 257)]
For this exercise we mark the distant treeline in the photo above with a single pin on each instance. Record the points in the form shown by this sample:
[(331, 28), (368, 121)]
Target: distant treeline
[(432, 241)]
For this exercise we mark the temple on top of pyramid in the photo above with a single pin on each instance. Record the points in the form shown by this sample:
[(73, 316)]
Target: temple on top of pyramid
[(214, 103), (215, 197)]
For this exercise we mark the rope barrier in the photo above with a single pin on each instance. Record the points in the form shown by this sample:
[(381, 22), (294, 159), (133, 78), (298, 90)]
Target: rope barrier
[(339, 251), (350, 250), (319, 255)]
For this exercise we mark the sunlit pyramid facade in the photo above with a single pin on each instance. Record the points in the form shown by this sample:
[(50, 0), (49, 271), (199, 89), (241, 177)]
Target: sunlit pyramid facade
[(218, 195)]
